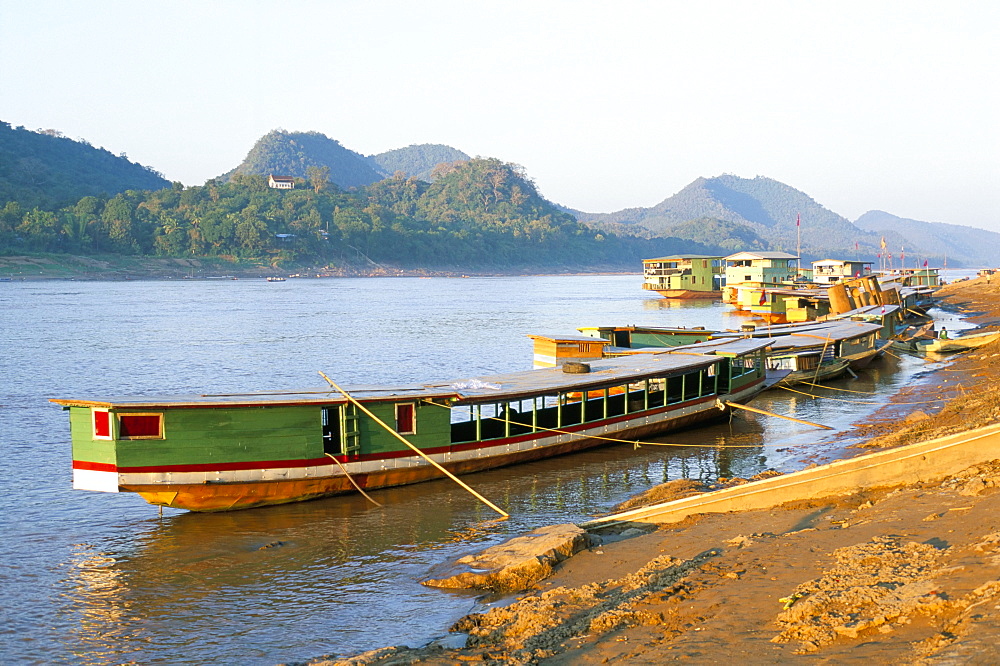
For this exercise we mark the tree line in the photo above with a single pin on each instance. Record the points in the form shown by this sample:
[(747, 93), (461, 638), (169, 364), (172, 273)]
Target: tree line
[(476, 213)]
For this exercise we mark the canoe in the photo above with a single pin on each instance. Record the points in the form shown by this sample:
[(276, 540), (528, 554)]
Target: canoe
[(961, 343)]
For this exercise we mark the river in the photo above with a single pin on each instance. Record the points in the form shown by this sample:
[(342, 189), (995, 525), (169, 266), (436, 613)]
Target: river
[(96, 578)]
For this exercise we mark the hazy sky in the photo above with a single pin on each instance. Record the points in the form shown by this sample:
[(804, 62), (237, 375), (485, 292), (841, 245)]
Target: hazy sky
[(860, 104)]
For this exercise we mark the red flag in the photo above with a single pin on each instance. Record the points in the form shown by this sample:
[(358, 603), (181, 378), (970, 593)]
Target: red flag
[(925, 263), (798, 219), (855, 245), (763, 297)]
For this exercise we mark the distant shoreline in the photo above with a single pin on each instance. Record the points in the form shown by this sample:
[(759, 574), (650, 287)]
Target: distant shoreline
[(119, 268)]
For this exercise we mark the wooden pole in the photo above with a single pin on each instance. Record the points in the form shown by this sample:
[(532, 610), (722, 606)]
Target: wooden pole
[(351, 479), (761, 411), (415, 449)]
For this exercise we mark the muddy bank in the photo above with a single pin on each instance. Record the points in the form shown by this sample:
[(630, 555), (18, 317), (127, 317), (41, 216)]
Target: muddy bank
[(909, 574)]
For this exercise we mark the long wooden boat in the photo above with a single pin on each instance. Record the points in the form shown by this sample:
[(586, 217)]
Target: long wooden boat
[(801, 346), (220, 452)]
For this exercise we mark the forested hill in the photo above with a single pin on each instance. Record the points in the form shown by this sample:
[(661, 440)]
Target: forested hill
[(976, 247), (298, 153), (417, 161), (48, 170), (476, 215), (758, 210)]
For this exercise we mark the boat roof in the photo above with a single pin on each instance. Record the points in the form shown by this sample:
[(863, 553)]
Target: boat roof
[(743, 256), (559, 337), (866, 311), (839, 262), (811, 334), (665, 362), (682, 257)]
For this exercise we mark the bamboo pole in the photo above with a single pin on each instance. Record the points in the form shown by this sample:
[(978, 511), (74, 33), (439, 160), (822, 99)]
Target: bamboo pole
[(765, 413), (415, 449)]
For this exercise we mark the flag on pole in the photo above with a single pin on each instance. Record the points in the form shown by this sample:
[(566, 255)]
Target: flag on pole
[(763, 297), (882, 244), (925, 263), (856, 245), (798, 219)]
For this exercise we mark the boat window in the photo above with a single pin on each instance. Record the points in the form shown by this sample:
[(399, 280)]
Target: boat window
[(406, 421), (102, 424), (140, 426)]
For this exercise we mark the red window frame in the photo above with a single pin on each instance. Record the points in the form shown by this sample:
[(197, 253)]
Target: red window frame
[(101, 419), (406, 418), (134, 425)]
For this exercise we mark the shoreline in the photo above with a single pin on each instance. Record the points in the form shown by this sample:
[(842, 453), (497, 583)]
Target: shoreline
[(119, 268), (905, 574)]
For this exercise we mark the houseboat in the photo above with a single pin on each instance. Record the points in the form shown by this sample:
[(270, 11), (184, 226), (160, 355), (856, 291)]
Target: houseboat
[(215, 452), (768, 270), (684, 276)]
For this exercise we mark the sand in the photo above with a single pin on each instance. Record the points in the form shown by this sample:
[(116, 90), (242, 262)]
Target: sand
[(903, 575)]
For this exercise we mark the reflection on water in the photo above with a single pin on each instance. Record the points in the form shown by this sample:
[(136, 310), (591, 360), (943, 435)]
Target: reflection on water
[(101, 579)]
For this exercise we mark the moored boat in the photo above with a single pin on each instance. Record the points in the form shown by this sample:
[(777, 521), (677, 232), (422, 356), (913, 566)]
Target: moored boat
[(684, 276), (951, 345), (219, 452), (802, 346)]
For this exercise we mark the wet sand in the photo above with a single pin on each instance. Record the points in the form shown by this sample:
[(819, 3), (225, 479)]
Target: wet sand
[(909, 574)]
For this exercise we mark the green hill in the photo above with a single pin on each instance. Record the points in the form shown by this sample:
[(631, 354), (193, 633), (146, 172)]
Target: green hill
[(417, 161), (47, 170), (763, 207), (293, 153)]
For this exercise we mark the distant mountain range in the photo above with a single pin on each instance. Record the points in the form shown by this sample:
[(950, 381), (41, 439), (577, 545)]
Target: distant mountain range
[(721, 214), (762, 213), (956, 243)]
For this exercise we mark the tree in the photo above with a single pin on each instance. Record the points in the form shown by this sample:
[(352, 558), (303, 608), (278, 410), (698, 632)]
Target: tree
[(318, 177)]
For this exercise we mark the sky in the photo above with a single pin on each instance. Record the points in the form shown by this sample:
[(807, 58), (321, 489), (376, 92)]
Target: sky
[(863, 105)]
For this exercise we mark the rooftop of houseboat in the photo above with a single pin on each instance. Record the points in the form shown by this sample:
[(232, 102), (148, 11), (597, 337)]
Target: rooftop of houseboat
[(510, 386)]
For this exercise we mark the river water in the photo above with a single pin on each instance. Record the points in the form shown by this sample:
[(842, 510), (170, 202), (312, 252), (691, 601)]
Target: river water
[(96, 578)]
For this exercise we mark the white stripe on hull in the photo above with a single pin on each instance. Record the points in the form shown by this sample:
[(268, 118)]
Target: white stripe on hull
[(88, 479)]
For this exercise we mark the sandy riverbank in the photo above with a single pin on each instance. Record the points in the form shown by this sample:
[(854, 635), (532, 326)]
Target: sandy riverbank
[(909, 574)]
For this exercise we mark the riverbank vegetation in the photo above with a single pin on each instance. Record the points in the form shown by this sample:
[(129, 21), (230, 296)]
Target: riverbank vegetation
[(476, 213)]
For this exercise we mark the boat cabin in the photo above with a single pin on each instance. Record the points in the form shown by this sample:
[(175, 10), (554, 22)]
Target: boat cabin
[(684, 276), (829, 271)]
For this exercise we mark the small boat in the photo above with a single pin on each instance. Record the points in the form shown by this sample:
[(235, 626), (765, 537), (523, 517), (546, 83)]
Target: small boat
[(952, 345), (233, 451), (275, 278)]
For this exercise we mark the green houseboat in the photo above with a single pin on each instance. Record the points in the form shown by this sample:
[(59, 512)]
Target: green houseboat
[(220, 452)]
